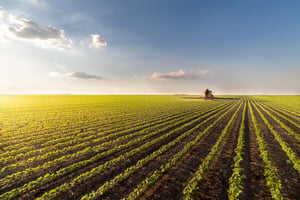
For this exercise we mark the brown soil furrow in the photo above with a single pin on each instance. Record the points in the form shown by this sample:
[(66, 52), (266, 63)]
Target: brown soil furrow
[(288, 138), (94, 183), (286, 110), (109, 132), (293, 118), (216, 182), (70, 162), (172, 183), (286, 122), (255, 183), (124, 188), (290, 181)]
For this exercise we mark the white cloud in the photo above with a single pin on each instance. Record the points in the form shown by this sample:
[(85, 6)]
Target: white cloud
[(180, 75), (79, 75), (32, 30), (172, 75), (203, 72), (97, 41), (14, 27)]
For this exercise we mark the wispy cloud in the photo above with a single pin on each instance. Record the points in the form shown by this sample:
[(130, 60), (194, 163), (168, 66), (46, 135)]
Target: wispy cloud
[(79, 75), (203, 72), (14, 27), (179, 75), (97, 41), (45, 36)]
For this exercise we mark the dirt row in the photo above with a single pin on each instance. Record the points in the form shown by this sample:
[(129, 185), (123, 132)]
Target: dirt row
[(289, 177), (172, 183), (69, 162), (216, 181), (124, 188), (97, 181)]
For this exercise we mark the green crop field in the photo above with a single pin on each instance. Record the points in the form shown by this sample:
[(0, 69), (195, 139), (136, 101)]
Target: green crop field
[(149, 147)]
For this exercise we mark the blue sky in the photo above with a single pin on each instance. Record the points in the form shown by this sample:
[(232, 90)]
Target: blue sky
[(149, 47)]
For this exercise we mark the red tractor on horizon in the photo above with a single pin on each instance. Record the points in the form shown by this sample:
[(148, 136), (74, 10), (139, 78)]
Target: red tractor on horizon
[(208, 94)]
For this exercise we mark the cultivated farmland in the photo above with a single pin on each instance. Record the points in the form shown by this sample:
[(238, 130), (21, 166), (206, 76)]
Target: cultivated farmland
[(149, 147)]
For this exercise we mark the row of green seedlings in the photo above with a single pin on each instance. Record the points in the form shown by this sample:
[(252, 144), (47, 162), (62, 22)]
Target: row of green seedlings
[(46, 133), (64, 171), (84, 178), (192, 186), (237, 179), (39, 132), (88, 151), (285, 108), (18, 114), (296, 124), (28, 133), (42, 136), (149, 181), (293, 109), (270, 171), (157, 118), (76, 139), (285, 112), (285, 147), (115, 109), (76, 133), (279, 107), (45, 119), (20, 144), (118, 137)]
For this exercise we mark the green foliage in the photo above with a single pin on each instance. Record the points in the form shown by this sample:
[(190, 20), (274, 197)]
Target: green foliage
[(189, 190), (237, 179), (46, 138), (285, 147), (141, 188), (270, 171)]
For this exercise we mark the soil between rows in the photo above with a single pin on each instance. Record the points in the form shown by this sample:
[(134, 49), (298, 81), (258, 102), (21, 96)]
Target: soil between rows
[(172, 183), (124, 188), (96, 124), (75, 150), (255, 182), (286, 122), (293, 118), (94, 183), (287, 137), (116, 191), (216, 181), (69, 162), (289, 177), (96, 127), (287, 110)]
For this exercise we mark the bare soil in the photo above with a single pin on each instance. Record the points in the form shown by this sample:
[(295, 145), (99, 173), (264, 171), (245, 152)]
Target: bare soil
[(289, 177), (172, 183), (95, 182)]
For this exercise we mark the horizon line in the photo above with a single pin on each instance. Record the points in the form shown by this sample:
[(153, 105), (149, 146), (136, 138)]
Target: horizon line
[(137, 94)]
